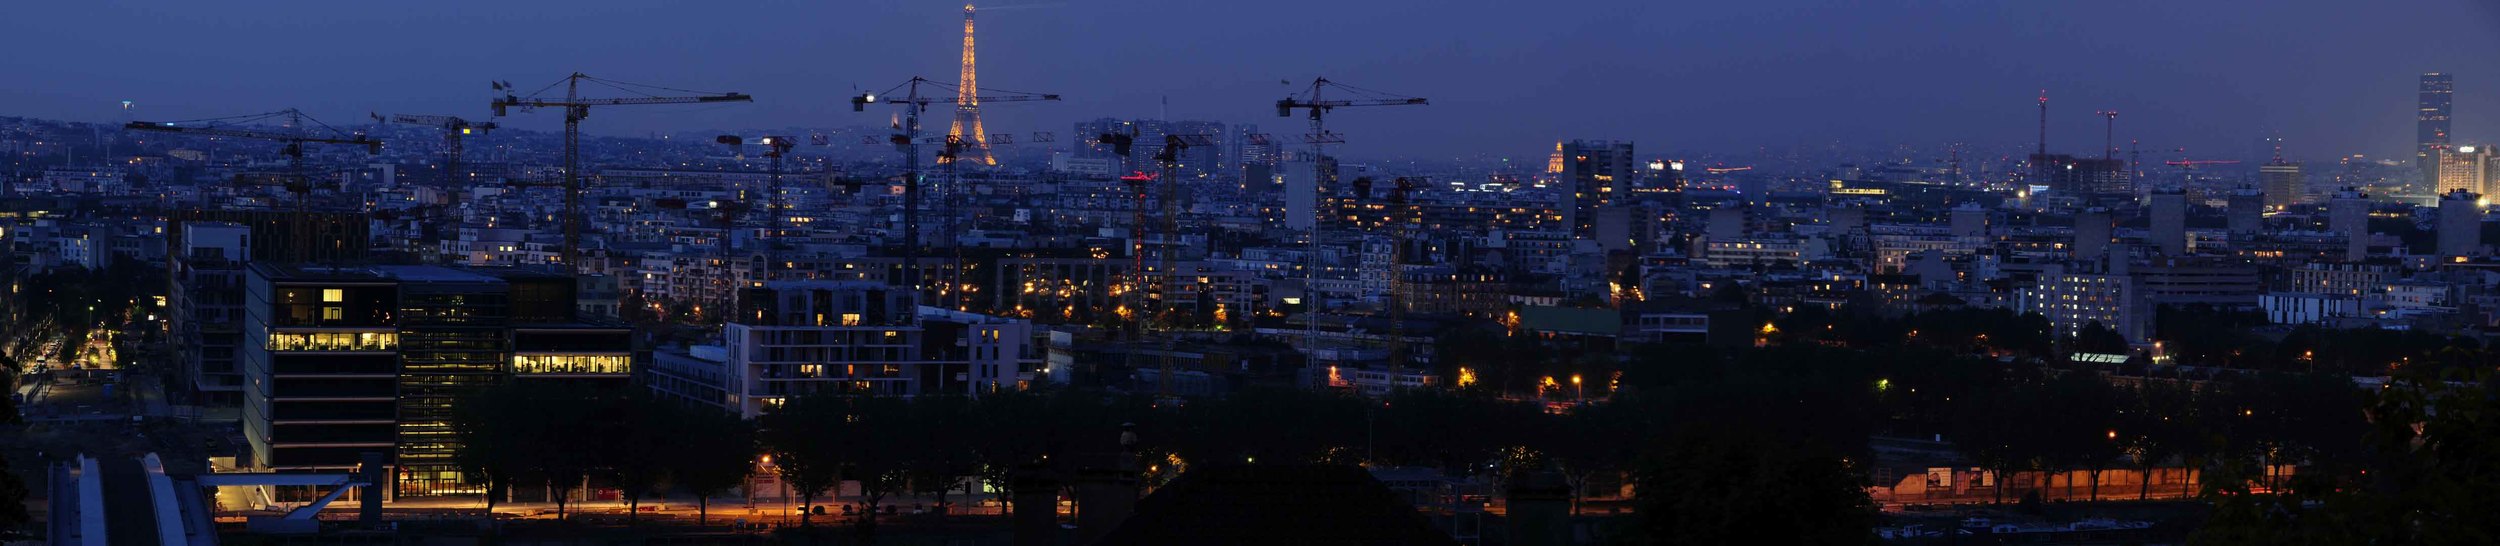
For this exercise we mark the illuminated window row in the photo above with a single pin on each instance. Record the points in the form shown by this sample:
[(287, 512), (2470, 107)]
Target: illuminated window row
[(552, 364), (333, 341)]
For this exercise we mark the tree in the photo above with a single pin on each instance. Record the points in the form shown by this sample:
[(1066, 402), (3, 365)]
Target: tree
[(2155, 424), (1728, 486), (496, 429), (2083, 420), (940, 461), (881, 468), (714, 452), (568, 442), (2097, 338), (809, 453), (1989, 428), (12, 500), (1588, 442), (654, 430)]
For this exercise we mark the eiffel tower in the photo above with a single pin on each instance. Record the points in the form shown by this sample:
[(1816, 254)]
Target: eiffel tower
[(967, 128)]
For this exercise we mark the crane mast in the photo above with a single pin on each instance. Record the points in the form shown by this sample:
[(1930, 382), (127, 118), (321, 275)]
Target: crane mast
[(907, 140), (1313, 100), (455, 130), (297, 183), (575, 109)]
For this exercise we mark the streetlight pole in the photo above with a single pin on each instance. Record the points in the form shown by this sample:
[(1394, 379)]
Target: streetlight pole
[(1370, 417)]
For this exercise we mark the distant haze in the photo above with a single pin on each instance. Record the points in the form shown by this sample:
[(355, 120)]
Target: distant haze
[(1505, 77)]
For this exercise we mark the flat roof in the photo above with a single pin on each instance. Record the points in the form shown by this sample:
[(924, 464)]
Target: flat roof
[(431, 273)]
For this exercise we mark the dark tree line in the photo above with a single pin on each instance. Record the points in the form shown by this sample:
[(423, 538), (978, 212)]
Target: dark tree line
[(1718, 443), (531, 434), (2210, 337)]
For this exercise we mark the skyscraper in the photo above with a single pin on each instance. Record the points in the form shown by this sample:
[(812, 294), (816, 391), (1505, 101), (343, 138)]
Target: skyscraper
[(2465, 168), (2083, 176), (1595, 174), (2283, 183), (2348, 214), (2460, 223), (2169, 222), (2092, 230), (2431, 126), (2245, 212)]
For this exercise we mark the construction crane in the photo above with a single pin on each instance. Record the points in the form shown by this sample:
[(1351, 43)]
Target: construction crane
[(907, 140), (2194, 163), (2109, 134), (1167, 161), (455, 129), (575, 109), (1314, 99), (775, 147), (298, 134)]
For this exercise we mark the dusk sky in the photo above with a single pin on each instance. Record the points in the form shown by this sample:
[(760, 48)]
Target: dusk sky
[(1504, 77)]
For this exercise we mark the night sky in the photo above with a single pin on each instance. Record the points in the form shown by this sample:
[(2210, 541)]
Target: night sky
[(1506, 77)]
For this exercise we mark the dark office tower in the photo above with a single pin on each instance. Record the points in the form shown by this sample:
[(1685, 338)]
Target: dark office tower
[(452, 343), (336, 237), (1253, 147), (1200, 161), (1970, 220), (2081, 176), (207, 310), (2460, 223), (2092, 229), (1727, 223), (2245, 211), (2169, 222), (2431, 126), (1595, 175), (2348, 214)]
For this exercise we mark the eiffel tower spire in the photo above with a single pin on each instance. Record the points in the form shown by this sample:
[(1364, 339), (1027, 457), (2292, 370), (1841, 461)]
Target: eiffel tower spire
[(967, 128)]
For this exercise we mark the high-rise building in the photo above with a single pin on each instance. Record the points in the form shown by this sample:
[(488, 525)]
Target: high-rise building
[(2169, 222), (2460, 223), (207, 309), (2245, 211), (1969, 220), (1302, 191), (1596, 174), (339, 361), (2466, 168), (2431, 124), (333, 237), (2075, 300), (1196, 161), (2348, 214), (1726, 223), (2092, 230), (2283, 183), (1251, 147), (2083, 176)]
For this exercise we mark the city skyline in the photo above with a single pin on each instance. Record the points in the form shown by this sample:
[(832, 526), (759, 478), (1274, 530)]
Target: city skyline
[(1503, 82)]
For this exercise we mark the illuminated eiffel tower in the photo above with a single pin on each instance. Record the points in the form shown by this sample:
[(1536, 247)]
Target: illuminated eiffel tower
[(967, 128)]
